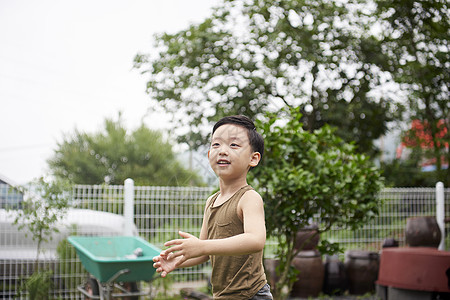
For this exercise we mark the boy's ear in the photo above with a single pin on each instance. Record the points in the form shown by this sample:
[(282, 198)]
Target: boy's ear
[(254, 161)]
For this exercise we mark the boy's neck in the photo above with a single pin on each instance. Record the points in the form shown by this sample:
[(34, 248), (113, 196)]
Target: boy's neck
[(229, 188)]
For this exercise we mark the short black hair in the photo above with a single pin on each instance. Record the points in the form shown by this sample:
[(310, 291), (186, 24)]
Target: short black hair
[(256, 140)]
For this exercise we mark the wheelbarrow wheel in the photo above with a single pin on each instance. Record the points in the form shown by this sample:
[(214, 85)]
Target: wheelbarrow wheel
[(91, 287), (130, 287)]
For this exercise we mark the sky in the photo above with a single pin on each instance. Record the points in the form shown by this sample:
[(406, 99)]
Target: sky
[(68, 64)]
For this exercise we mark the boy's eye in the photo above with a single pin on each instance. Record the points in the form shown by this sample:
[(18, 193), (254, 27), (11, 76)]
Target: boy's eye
[(234, 145), (215, 145)]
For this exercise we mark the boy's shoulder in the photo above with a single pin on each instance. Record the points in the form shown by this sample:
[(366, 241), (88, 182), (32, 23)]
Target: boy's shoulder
[(251, 195), (251, 192), (251, 202), (210, 198)]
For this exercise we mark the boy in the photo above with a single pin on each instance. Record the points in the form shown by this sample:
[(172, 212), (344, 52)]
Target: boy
[(233, 232)]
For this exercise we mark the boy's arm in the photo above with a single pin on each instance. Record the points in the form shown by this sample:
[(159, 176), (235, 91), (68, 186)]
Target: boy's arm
[(251, 209)]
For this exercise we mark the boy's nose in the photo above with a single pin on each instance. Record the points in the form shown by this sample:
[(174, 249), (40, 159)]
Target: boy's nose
[(223, 150)]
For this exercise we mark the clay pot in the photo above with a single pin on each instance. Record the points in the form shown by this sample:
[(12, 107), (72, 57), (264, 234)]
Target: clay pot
[(307, 238), (422, 232), (310, 279), (362, 271)]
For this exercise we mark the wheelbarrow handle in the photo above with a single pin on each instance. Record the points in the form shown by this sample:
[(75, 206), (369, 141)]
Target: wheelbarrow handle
[(115, 276), (85, 293)]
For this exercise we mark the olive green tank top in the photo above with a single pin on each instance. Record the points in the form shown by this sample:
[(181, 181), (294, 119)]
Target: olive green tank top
[(237, 276)]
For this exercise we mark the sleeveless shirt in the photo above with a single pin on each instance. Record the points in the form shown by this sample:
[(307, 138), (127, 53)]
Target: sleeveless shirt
[(237, 276)]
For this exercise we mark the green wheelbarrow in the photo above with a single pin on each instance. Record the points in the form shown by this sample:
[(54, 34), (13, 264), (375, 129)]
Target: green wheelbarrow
[(115, 263)]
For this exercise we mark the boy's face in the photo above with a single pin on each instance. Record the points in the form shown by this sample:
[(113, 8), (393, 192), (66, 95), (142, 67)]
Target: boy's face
[(231, 154)]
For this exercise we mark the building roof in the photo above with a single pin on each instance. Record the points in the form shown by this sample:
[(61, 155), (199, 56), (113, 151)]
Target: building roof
[(6, 180)]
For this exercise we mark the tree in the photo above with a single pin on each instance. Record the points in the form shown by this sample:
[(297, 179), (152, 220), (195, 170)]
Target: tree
[(46, 204), (306, 175), (414, 44), (257, 56), (114, 155)]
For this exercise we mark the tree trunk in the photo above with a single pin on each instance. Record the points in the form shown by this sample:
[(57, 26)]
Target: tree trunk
[(285, 283), (36, 264)]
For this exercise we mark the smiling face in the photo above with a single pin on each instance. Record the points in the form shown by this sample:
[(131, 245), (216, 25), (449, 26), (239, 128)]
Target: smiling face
[(231, 154)]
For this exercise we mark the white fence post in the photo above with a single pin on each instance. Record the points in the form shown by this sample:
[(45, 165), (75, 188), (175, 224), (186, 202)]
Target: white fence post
[(128, 209), (440, 212)]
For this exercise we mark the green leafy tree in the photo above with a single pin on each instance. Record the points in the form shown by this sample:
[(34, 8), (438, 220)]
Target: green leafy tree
[(259, 56), (114, 154), (307, 175), (46, 204), (414, 44)]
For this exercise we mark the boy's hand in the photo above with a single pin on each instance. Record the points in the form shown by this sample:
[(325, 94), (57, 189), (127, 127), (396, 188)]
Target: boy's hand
[(183, 249), (164, 265)]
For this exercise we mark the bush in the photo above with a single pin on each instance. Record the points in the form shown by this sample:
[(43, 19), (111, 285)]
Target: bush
[(305, 175)]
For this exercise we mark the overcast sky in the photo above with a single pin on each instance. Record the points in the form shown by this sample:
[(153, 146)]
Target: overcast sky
[(67, 64)]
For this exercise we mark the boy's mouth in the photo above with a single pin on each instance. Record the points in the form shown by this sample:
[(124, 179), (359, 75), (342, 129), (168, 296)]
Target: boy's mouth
[(223, 162)]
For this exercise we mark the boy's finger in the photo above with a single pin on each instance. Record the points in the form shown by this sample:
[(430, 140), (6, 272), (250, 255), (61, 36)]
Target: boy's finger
[(182, 260), (173, 249), (166, 252), (173, 242), (185, 234), (173, 255)]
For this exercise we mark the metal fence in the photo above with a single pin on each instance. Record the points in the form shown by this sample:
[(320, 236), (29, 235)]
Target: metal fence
[(398, 204), (159, 212)]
